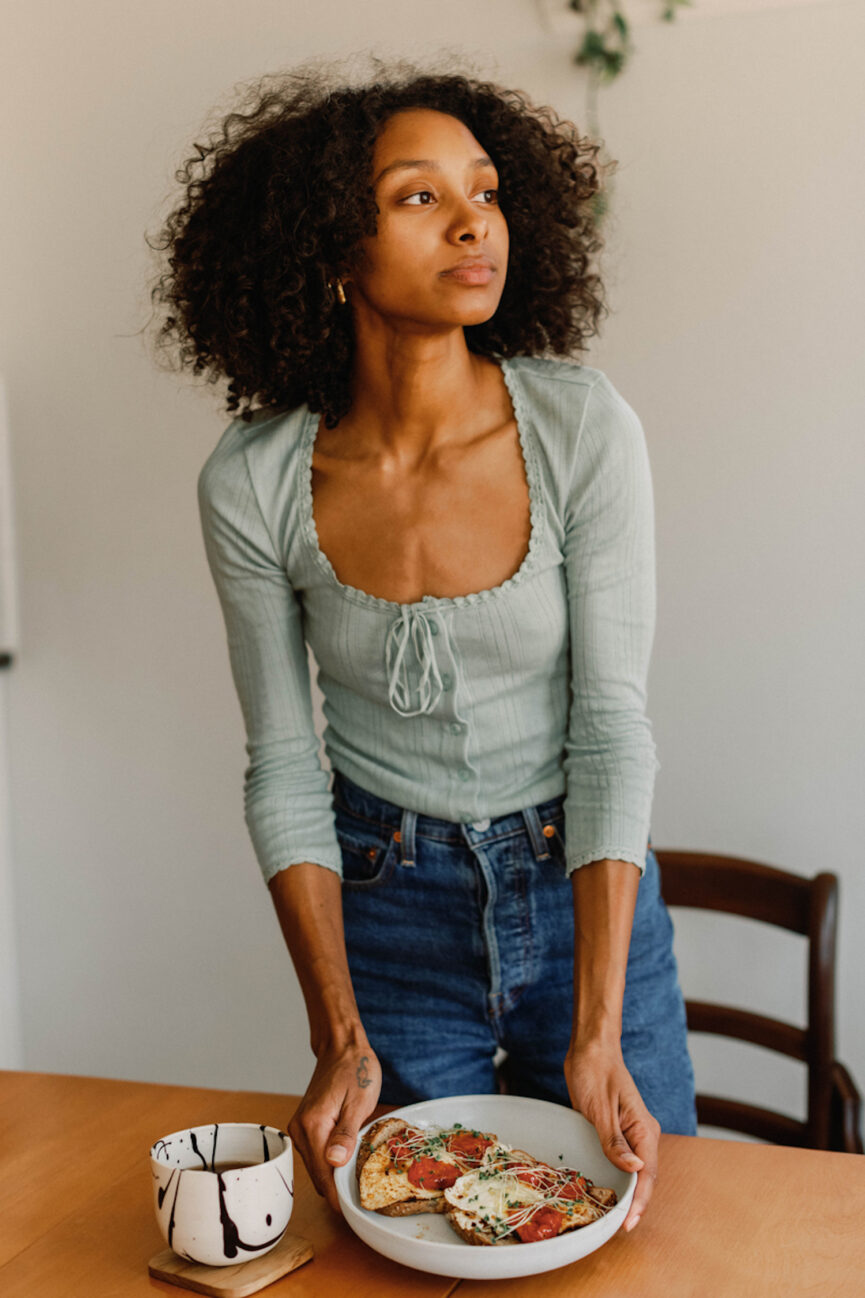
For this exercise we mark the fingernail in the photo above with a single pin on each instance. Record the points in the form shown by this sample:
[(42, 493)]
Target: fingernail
[(336, 1153), (632, 1223)]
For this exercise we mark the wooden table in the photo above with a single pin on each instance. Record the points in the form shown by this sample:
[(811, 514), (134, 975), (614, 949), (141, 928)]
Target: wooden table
[(727, 1218)]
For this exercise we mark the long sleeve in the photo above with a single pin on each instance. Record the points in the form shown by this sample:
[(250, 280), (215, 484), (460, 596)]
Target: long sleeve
[(286, 799), (610, 759)]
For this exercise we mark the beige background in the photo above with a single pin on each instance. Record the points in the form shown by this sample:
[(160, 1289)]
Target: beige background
[(146, 943)]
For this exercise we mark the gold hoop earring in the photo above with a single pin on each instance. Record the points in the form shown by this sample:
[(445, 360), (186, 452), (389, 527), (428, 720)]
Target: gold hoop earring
[(337, 287)]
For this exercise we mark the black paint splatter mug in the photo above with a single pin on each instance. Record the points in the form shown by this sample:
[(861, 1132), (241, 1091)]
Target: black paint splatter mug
[(223, 1193)]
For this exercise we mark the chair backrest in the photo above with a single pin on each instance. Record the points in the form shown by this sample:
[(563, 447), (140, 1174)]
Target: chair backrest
[(801, 905)]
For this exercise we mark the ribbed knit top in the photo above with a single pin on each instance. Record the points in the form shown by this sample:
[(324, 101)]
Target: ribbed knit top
[(463, 708)]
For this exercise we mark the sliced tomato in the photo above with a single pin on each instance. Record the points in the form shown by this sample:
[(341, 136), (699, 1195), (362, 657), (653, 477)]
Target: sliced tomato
[(399, 1153), (534, 1176), (575, 1188), (430, 1174), (466, 1145), (545, 1223)]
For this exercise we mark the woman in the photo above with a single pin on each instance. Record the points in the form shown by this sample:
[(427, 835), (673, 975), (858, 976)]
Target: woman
[(461, 529)]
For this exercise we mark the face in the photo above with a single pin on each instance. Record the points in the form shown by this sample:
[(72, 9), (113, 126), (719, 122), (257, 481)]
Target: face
[(439, 255)]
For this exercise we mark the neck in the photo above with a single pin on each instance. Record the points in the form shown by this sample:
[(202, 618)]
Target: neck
[(415, 390)]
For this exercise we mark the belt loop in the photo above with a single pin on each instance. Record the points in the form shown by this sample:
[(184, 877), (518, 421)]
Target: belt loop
[(406, 831), (536, 834)]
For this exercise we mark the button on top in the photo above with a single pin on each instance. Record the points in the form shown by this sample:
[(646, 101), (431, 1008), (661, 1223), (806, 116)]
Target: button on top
[(465, 773), (446, 680), (456, 727), (433, 626)]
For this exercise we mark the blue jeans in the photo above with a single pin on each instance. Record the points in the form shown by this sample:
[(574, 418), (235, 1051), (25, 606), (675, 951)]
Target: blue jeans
[(460, 940)]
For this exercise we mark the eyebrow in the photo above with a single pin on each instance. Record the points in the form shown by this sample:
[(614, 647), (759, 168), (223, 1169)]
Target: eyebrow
[(429, 163)]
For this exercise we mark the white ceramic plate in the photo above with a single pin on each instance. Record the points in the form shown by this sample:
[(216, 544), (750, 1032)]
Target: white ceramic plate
[(551, 1132)]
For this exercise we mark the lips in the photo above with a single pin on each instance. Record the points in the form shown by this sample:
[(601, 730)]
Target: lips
[(471, 270)]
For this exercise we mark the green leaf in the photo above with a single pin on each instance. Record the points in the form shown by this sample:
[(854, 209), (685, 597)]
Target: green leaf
[(613, 63), (593, 45)]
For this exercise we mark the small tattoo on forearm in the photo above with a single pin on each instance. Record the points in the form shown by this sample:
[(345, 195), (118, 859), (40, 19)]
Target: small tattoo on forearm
[(363, 1077)]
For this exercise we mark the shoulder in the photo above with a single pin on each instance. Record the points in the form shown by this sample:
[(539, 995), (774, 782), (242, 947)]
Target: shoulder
[(579, 417), (545, 378), (565, 394), (249, 452)]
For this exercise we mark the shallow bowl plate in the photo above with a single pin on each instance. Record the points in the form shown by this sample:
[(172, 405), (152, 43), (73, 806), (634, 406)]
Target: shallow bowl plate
[(550, 1132)]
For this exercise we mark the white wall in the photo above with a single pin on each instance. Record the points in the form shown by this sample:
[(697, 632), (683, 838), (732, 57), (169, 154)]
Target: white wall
[(147, 943), (11, 1053), (10, 1008)]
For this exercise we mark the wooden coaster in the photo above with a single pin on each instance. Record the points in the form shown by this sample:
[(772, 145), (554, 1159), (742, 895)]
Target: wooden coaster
[(232, 1281)]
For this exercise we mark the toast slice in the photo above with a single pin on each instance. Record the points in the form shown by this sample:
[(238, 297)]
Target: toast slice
[(403, 1170), (377, 1134), (523, 1200)]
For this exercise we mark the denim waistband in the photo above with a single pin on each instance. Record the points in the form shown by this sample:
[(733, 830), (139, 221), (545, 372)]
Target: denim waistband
[(360, 802)]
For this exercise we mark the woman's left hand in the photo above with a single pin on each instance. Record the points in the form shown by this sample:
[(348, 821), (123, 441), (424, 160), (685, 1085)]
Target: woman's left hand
[(602, 1089)]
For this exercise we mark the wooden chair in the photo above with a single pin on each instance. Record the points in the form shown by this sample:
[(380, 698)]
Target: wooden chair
[(801, 905)]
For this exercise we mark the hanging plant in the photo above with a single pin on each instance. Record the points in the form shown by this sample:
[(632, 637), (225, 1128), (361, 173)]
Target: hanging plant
[(607, 43), (605, 49)]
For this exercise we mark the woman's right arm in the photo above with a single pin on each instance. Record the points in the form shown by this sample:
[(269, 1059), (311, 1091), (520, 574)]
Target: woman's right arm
[(346, 1082), (288, 804)]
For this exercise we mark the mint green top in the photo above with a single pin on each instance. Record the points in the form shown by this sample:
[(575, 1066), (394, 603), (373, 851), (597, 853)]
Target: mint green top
[(463, 708)]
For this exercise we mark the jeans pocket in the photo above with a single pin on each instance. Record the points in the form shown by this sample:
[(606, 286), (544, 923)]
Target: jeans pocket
[(369, 852)]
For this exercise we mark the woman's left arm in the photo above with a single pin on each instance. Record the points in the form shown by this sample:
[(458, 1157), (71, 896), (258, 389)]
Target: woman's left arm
[(599, 1084), (609, 762)]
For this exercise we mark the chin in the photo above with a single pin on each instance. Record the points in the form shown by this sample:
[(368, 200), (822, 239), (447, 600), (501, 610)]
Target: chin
[(478, 317), (477, 313)]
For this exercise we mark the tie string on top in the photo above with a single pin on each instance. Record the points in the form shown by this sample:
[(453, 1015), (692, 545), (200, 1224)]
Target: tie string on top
[(411, 630)]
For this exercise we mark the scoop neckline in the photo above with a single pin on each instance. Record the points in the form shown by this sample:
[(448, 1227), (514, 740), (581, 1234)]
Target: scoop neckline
[(530, 462)]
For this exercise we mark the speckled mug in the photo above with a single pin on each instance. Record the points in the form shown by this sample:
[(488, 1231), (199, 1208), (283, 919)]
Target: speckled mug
[(223, 1217)]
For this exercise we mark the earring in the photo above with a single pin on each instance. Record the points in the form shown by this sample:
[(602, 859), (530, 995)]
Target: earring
[(337, 287)]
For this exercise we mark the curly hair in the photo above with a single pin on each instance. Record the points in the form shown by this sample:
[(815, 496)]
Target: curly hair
[(277, 201)]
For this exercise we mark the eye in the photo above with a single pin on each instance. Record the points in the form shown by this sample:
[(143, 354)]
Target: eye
[(422, 196), (494, 193)]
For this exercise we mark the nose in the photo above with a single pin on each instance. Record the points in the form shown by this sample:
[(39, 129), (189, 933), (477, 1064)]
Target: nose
[(469, 223)]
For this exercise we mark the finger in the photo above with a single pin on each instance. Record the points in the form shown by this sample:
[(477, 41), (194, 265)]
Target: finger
[(618, 1150), (356, 1109), (310, 1136), (323, 1167), (324, 1181), (340, 1145), (642, 1194), (302, 1147), (646, 1142)]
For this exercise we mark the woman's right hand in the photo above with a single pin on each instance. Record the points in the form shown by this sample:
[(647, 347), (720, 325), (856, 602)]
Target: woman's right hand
[(346, 1083), (339, 1100)]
